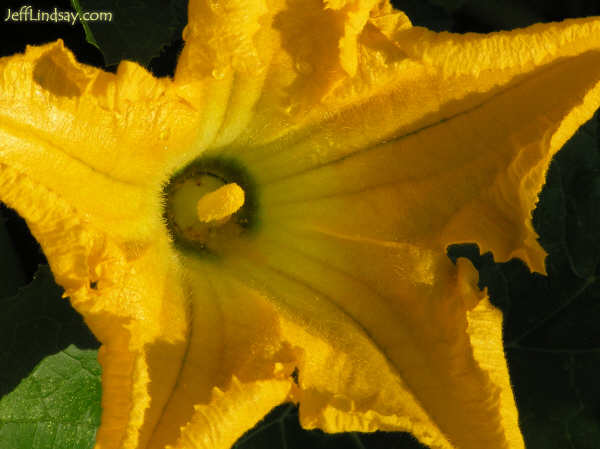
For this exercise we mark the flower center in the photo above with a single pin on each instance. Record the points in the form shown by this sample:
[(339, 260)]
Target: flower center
[(209, 205)]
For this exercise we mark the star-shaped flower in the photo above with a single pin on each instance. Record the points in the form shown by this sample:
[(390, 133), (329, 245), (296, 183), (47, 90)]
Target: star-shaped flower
[(271, 224)]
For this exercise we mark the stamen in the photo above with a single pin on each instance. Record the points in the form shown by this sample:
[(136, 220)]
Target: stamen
[(220, 204)]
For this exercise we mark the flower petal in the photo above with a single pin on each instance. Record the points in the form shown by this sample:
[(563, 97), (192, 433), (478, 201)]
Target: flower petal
[(362, 144), (390, 341), (355, 224), (132, 293), (237, 366), (252, 67), (107, 245), (130, 297), (470, 172), (113, 131), (218, 424)]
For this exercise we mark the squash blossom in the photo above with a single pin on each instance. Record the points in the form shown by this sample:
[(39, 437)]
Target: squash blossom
[(271, 223)]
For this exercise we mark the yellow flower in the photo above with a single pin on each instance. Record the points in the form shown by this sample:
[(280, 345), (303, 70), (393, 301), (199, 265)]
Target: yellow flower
[(271, 224)]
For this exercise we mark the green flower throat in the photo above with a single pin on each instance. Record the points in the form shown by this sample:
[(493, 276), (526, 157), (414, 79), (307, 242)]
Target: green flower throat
[(210, 205)]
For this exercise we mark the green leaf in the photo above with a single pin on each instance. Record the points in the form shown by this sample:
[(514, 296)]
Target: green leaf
[(57, 406), (137, 30), (89, 36), (47, 401)]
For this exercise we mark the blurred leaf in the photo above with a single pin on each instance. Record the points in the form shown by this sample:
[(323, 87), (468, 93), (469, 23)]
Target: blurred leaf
[(504, 15), (138, 30), (449, 5), (11, 271), (573, 186), (47, 401), (429, 14), (281, 429), (551, 331)]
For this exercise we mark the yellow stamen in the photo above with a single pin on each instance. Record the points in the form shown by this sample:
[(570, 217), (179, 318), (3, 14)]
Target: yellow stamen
[(220, 204)]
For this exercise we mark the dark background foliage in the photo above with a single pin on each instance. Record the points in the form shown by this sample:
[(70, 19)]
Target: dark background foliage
[(49, 378)]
